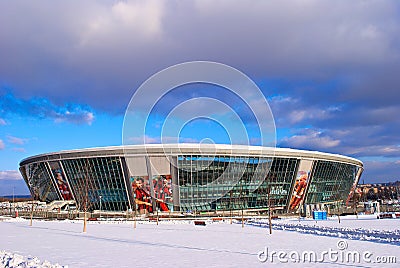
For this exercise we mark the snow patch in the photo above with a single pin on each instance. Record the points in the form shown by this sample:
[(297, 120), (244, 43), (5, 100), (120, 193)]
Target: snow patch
[(12, 260)]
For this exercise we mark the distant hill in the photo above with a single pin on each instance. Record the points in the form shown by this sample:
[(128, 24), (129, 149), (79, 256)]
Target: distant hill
[(16, 198)]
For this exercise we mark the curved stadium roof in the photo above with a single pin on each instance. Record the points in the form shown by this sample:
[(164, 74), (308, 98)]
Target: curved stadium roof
[(191, 148)]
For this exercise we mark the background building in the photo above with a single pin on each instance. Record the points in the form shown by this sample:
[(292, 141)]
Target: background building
[(191, 177)]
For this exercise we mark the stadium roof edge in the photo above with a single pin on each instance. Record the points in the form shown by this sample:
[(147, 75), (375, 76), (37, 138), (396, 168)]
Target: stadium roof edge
[(176, 148)]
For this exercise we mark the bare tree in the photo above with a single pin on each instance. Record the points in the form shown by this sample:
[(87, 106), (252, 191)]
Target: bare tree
[(34, 197), (86, 194), (86, 197), (269, 210), (242, 199), (89, 185), (230, 205)]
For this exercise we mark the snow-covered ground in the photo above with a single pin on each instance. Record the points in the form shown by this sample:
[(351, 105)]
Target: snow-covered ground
[(219, 244), (366, 228)]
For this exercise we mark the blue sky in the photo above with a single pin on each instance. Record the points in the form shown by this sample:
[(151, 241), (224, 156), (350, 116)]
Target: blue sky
[(329, 71)]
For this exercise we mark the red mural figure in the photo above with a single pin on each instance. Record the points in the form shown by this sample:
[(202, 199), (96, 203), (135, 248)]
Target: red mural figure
[(142, 198), (63, 187), (299, 190), (161, 192)]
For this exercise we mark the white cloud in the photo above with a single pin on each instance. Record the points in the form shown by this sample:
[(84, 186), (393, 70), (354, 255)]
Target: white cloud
[(2, 122), (373, 150), (141, 19), (289, 111), (2, 145), (143, 140), (370, 32), (21, 150), (164, 139), (311, 139), (143, 15), (76, 117), (302, 116), (10, 175), (16, 140)]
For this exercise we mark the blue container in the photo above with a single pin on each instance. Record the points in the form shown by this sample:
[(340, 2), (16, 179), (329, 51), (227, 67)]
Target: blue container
[(319, 215)]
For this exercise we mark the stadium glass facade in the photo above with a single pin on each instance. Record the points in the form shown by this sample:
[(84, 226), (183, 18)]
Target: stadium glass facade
[(188, 178)]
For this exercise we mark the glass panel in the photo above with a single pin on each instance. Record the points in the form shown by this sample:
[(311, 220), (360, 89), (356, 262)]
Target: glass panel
[(40, 183), (277, 184), (331, 181), (220, 182), (97, 182)]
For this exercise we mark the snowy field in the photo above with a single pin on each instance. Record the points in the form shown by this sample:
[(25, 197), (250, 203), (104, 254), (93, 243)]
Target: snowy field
[(304, 243)]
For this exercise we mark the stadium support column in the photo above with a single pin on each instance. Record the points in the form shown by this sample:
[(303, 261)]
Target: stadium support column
[(150, 174), (175, 182), (128, 184)]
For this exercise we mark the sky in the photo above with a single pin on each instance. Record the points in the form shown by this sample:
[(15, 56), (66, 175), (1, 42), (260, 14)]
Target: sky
[(329, 71)]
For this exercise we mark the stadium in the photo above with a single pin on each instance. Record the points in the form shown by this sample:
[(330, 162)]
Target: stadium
[(192, 178)]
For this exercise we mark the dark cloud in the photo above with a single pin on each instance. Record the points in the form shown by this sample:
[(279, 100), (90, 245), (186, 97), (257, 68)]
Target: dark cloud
[(72, 51), (43, 108), (356, 142), (357, 127)]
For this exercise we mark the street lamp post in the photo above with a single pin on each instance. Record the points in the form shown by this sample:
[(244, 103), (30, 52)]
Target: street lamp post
[(100, 204), (13, 201)]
